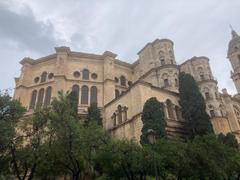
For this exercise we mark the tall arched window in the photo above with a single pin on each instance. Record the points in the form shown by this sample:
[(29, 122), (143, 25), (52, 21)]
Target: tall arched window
[(43, 77), (75, 92), (84, 96), (122, 81), (170, 109), (93, 99), (48, 95), (119, 114), (166, 82), (33, 100), (125, 113), (114, 119), (117, 93), (178, 113), (40, 98), (85, 74)]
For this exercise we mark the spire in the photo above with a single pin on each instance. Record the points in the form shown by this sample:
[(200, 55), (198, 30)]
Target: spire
[(234, 33)]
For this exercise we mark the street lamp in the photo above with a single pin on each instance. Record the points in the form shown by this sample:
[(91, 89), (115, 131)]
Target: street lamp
[(151, 136)]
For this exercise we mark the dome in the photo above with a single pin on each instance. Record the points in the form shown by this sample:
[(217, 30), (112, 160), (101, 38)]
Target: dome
[(234, 44)]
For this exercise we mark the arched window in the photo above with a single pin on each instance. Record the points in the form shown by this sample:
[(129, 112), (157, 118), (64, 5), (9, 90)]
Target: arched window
[(85, 74), (40, 98), (122, 81), (170, 109), (178, 113), (207, 95), (166, 82), (48, 95), (162, 60), (117, 93), (33, 100), (119, 114), (125, 113), (93, 99), (212, 113), (44, 77), (176, 82), (84, 96), (114, 119), (75, 92)]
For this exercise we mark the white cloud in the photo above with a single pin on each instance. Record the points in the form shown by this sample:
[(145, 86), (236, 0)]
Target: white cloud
[(198, 28)]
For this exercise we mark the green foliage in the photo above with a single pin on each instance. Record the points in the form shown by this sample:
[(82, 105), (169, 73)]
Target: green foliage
[(94, 114), (193, 106), (153, 118), (123, 159), (55, 143), (229, 140), (10, 113), (212, 159)]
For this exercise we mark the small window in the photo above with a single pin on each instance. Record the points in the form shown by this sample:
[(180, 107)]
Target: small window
[(122, 81), (94, 76), (36, 80), (201, 76), (162, 61), (129, 83), (116, 80), (44, 77), (166, 83), (50, 76), (85, 74), (212, 113), (207, 95), (176, 82), (117, 93), (76, 74)]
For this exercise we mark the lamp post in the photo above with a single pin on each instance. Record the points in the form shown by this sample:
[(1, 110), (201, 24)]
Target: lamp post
[(151, 136)]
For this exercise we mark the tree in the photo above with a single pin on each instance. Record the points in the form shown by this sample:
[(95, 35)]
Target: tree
[(124, 159), (193, 106), (11, 112), (152, 118), (212, 159), (228, 139), (94, 114), (70, 145)]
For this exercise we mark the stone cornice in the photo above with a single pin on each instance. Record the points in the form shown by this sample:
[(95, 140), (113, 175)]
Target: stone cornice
[(154, 42), (141, 82), (195, 59)]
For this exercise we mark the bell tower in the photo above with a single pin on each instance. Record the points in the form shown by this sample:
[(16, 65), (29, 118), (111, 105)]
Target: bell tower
[(234, 57)]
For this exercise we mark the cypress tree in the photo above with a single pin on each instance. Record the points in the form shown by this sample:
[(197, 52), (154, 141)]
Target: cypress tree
[(94, 114), (152, 118), (193, 106)]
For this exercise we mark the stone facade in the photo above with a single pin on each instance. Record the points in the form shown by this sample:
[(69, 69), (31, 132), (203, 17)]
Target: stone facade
[(120, 89)]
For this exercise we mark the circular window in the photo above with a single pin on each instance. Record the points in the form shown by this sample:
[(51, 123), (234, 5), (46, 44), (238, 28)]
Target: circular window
[(76, 74), (36, 80), (116, 80), (94, 76), (50, 76)]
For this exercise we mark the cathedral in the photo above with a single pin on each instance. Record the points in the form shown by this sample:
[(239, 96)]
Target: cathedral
[(120, 89)]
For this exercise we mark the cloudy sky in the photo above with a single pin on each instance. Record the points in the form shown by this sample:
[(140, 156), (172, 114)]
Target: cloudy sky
[(30, 28)]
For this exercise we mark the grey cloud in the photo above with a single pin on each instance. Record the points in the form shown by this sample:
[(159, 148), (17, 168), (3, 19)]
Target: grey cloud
[(198, 28), (25, 30)]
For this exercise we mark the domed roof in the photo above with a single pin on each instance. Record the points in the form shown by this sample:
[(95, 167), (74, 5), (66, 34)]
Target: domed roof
[(234, 44)]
